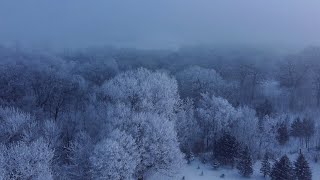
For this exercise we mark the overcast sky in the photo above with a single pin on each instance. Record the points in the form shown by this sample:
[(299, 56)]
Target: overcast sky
[(158, 23)]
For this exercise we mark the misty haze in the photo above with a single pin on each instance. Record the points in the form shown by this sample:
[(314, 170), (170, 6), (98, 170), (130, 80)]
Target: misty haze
[(159, 90)]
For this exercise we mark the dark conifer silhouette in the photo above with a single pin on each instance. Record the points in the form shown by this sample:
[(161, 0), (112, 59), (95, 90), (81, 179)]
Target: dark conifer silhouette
[(282, 169), (265, 166), (245, 163), (302, 169)]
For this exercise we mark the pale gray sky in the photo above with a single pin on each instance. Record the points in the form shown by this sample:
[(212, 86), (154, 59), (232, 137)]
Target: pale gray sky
[(158, 23)]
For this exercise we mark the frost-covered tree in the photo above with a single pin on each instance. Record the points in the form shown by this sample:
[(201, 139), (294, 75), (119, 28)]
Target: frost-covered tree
[(214, 114), (244, 165), (196, 80), (28, 161), (265, 166), (109, 161), (51, 133), (187, 127), (2, 161), (155, 136), (13, 124), (302, 169), (144, 91), (95, 68), (157, 143), (245, 133), (266, 135), (143, 104), (127, 142), (115, 157), (80, 151), (55, 92)]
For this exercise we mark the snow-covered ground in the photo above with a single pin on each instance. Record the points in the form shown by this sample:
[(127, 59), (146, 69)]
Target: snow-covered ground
[(191, 172)]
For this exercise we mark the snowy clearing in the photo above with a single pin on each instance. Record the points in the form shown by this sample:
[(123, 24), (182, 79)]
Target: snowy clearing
[(191, 172)]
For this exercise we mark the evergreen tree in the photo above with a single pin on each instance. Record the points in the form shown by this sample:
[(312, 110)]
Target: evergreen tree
[(282, 134), (308, 130), (226, 149), (302, 169), (265, 166), (297, 129), (245, 164), (282, 169), (303, 130)]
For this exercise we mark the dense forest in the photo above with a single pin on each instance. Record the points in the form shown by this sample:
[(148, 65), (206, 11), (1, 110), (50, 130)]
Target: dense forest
[(116, 113)]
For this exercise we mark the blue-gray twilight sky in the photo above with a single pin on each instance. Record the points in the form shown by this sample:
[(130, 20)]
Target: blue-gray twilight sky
[(158, 23)]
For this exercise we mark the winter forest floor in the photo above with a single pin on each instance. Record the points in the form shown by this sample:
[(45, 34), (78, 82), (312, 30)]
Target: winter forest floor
[(191, 172)]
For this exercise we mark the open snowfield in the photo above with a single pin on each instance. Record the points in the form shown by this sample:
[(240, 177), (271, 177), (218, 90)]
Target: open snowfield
[(191, 172)]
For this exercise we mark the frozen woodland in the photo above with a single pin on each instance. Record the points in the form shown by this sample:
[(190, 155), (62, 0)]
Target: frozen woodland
[(159, 90), (194, 113)]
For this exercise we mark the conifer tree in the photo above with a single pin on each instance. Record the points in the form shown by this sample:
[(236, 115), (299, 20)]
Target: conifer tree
[(303, 130), (283, 134), (265, 166), (308, 130), (245, 164), (282, 169), (302, 169), (297, 129), (226, 149)]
